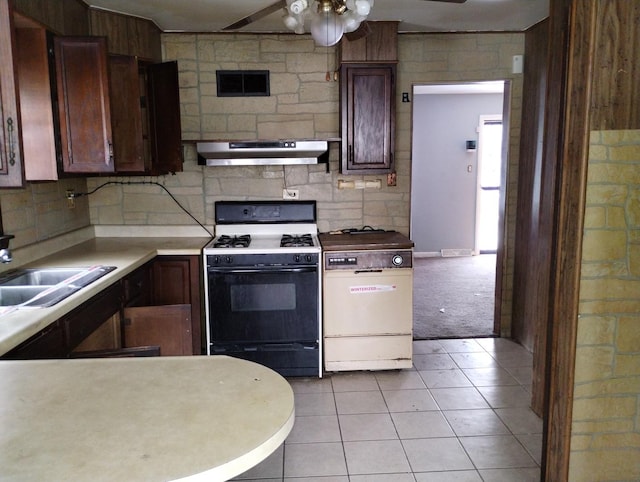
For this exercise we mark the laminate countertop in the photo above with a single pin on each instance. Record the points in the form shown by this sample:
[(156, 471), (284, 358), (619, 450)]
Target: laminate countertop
[(139, 419), (125, 253)]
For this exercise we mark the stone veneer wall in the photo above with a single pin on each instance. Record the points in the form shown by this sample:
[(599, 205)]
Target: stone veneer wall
[(39, 211), (605, 443), (304, 104)]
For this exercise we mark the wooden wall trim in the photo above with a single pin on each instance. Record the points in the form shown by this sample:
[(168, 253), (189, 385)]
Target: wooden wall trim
[(501, 254), (572, 151)]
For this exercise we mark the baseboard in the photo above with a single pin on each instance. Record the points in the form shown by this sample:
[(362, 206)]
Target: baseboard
[(456, 252), (427, 254)]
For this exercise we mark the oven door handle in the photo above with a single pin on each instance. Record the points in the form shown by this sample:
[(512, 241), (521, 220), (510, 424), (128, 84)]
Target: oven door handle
[(266, 269)]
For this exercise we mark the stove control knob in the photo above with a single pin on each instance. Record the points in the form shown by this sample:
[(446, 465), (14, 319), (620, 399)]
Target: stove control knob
[(216, 260), (296, 258), (308, 258), (228, 259), (397, 260)]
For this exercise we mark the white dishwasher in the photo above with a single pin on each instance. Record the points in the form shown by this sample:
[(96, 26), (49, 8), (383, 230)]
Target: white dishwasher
[(368, 306)]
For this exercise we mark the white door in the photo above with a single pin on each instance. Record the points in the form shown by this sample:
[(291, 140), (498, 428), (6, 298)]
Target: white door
[(488, 191)]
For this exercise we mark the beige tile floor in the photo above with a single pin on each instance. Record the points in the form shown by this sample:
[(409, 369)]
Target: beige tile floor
[(461, 414)]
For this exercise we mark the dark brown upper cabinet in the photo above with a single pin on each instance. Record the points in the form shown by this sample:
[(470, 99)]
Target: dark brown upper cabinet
[(373, 42), (145, 114), (84, 113), (367, 118)]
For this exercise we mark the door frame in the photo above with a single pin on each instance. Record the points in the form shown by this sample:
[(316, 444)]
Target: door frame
[(501, 252)]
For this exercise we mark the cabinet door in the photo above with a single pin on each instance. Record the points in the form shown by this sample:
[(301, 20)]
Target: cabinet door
[(176, 280), (36, 104), (168, 327), (367, 120), (10, 138), (163, 102), (83, 104), (126, 114)]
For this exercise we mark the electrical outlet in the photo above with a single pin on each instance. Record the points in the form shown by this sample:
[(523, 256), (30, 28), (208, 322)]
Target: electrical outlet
[(71, 200), (290, 194)]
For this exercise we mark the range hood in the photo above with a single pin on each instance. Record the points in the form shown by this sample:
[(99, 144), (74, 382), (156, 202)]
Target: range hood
[(262, 153)]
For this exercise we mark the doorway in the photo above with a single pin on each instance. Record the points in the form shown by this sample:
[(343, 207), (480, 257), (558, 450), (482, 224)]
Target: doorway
[(456, 195)]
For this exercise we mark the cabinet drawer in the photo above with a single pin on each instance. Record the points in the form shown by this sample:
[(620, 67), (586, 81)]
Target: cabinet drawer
[(85, 319)]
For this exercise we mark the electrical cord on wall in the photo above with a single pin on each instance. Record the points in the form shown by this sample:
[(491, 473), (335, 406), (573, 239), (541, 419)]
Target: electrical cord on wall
[(284, 181), (125, 183)]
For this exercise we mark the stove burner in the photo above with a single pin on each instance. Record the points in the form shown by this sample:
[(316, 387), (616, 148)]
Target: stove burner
[(226, 241), (296, 240)]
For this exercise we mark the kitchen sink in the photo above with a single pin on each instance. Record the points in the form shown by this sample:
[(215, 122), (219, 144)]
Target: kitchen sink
[(41, 277), (42, 287)]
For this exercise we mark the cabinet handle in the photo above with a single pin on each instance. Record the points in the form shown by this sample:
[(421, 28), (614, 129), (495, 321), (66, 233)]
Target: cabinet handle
[(110, 152), (12, 151), (350, 154)]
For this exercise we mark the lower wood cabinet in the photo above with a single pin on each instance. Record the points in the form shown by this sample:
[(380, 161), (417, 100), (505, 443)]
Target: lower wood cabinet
[(154, 310), (62, 337), (48, 343), (176, 280), (163, 306)]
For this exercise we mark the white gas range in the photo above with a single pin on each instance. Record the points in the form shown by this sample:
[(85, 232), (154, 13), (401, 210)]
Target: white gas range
[(262, 285)]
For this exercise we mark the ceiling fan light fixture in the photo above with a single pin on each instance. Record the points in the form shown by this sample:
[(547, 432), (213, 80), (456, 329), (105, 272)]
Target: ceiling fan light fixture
[(328, 19)]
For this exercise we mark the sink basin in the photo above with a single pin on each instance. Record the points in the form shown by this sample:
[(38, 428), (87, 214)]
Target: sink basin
[(41, 277), (16, 295), (42, 287)]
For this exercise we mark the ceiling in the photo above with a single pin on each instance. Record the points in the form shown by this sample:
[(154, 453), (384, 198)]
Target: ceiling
[(413, 15)]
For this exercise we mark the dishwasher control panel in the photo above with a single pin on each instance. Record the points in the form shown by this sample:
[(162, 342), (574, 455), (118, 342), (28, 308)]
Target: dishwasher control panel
[(342, 260), (368, 259)]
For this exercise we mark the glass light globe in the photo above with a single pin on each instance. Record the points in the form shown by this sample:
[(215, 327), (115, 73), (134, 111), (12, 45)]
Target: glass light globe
[(350, 21), (363, 7), (290, 22), (326, 28)]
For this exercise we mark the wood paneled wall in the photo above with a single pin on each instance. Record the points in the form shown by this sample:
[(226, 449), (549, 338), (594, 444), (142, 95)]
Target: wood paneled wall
[(615, 96), (535, 213), (64, 17)]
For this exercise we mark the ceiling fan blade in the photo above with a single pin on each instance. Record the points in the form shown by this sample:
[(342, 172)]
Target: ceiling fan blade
[(362, 31), (274, 7)]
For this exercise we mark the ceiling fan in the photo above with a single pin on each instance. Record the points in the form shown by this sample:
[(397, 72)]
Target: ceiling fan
[(280, 4)]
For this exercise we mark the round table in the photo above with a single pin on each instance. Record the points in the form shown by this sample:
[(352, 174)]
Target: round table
[(148, 418)]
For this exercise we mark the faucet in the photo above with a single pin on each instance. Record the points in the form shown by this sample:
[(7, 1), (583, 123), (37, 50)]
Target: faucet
[(5, 252)]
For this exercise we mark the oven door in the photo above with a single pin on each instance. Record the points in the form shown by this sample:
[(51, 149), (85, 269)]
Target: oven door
[(263, 305)]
